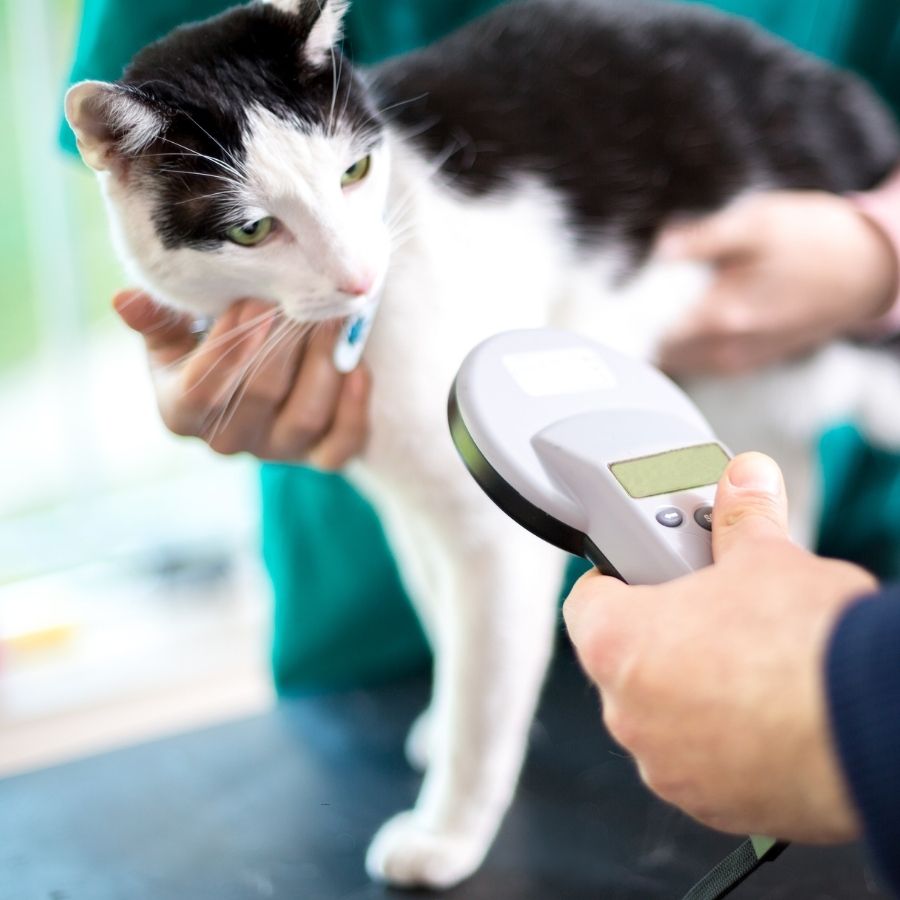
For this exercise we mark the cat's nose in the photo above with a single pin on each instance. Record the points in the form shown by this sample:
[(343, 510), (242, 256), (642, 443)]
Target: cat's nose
[(357, 286)]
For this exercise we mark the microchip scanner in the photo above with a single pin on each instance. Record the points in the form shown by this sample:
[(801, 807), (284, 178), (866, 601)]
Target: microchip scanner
[(591, 450), (605, 457)]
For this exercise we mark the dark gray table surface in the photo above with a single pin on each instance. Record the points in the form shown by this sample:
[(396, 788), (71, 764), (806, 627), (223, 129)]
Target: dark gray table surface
[(283, 804)]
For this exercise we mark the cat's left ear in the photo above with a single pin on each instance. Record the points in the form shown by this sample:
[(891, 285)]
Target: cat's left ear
[(323, 18)]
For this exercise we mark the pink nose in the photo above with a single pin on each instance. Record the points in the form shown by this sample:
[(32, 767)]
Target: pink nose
[(358, 286)]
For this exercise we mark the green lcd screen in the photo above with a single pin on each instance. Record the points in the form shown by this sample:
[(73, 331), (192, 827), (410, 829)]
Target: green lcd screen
[(666, 473)]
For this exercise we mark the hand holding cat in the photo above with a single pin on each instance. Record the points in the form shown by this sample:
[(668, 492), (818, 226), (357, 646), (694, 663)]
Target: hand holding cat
[(715, 682), (794, 269), (244, 389)]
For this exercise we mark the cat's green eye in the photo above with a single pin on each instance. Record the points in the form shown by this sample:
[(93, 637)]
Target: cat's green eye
[(252, 233), (357, 171)]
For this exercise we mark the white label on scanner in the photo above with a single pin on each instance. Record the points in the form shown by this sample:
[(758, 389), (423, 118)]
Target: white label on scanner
[(572, 370)]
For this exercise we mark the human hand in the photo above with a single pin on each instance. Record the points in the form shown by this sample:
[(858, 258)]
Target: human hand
[(253, 384), (715, 681), (794, 269)]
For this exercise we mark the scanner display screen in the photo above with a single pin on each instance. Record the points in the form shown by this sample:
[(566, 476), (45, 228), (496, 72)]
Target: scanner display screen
[(667, 473)]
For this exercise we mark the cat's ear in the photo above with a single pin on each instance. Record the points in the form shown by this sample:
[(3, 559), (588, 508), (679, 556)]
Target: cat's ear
[(323, 18), (327, 29), (110, 122)]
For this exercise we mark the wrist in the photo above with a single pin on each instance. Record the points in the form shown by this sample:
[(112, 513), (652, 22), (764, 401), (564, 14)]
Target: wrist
[(880, 211)]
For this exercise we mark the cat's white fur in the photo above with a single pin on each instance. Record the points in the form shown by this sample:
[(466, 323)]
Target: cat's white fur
[(464, 269)]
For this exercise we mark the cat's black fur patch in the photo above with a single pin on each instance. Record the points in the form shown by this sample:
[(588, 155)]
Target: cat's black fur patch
[(634, 111), (204, 78)]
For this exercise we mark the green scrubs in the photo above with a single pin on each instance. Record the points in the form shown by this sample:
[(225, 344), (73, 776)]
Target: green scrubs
[(341, 615)]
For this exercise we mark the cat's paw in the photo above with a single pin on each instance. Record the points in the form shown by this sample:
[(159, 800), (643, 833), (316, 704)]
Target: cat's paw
[(420, 741), (406, 854)]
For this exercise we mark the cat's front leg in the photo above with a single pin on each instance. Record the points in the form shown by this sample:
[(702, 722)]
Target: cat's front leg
[(493, 636)]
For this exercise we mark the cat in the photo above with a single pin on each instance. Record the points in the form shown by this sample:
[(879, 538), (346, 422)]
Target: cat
[(514, 174)]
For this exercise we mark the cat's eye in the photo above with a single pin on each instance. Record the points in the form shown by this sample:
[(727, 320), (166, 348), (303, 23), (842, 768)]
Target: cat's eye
[(252, 233), (357, 171)]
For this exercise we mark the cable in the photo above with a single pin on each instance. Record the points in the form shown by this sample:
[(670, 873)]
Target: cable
[(735, 868)]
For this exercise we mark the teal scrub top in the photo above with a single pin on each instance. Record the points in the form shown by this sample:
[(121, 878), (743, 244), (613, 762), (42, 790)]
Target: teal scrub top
[(341, 615)]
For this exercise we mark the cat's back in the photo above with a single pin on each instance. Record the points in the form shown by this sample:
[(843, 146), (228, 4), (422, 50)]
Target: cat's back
[(634, 109)]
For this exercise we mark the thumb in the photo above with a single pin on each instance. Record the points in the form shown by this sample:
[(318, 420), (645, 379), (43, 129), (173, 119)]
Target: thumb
[(751, 504), (714, 238), (167, 334)]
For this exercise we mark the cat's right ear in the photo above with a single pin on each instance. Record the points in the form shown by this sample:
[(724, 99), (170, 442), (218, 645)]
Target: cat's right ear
[(111, 122)]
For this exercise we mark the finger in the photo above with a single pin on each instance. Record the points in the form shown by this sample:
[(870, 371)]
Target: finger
[(715, 356), (236, 336), (249, 406), (166, 332), (724, 235), (751, 504), (272, 370), (194, 396), (311, 405), (599, 615), (347, 436), (712, 335)]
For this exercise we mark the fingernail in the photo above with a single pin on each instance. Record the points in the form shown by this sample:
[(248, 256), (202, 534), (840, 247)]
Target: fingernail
[(755, 472)]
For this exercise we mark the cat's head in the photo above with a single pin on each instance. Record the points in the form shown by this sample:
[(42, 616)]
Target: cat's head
[(241, 157)]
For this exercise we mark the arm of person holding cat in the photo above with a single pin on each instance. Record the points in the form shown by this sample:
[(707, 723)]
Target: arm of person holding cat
[(793, 270), (762, 694), (293, 407)]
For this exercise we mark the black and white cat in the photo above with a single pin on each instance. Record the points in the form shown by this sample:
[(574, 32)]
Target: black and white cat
[(529, 161)]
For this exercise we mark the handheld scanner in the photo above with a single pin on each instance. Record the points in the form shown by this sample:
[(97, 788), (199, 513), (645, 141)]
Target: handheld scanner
[(593, 451)]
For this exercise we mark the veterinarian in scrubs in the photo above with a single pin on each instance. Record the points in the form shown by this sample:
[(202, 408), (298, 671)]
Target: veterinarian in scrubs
[(327, 632), (801, 609)]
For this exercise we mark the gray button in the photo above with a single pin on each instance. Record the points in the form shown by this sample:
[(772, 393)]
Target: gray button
[(670, 517), (703, 517)]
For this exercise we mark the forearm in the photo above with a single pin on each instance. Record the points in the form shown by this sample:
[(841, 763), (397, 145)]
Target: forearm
[(863, 674)]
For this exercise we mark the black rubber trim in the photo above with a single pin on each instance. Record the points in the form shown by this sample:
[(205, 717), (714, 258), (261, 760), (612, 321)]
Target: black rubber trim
[(517, 507), (731, 871)]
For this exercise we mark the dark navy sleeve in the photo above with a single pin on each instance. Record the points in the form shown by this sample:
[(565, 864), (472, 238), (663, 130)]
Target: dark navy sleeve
[(863, 681)]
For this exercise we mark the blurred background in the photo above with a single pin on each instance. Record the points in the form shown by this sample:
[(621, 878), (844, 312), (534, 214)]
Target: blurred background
[(132, 602)]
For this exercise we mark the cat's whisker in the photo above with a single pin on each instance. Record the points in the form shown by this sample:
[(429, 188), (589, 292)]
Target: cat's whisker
[(340, 76), (238, 335), (192, 152), (399, 104), (218, 143), (224, 193), (181, 156), (202, 175), (241, 383), (334, 86), (224, 400), (435, 165)]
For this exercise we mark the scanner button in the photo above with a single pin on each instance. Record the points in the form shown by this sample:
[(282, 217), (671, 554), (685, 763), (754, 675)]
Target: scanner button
[(670, 517), (703, 517)]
